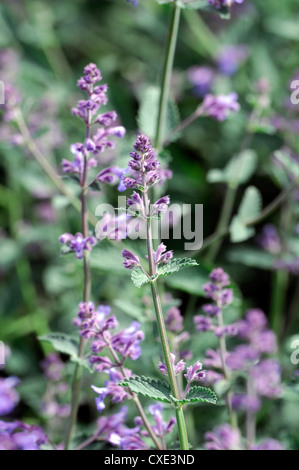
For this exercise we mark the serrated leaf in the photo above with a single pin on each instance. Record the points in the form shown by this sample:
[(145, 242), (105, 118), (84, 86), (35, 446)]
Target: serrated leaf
[(66, 344), (251, 204), (148, 113), (62, 343), (175, 265), (249, 208), (154, 389), (238, 230), (139, 277), (199, 395), (240, 169)]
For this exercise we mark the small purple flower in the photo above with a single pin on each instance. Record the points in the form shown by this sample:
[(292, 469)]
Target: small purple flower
[(231, 57), (161, 205), (242, 402), (174, 320), (195, 373), (9, 397), (211, 310), (21, 436), (161, 428), (202, 79), (270, 240), (269, 444), (267, 378), (219, 107), (161, 255), (178, 368), (242, 358), (77, 243), (223, 438), (203, 323), (130, 261)]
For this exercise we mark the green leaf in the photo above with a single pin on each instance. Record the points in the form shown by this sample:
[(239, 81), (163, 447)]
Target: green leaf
[(204, 5), (239, 232), (238, 170), (154, 389), (62, 343), (139, 277), (175, 265), (95, 186), (148, 113), (249, 208), (251, 204), (66, 344), (199, 395)]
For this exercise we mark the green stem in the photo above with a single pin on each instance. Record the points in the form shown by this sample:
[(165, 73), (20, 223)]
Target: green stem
[(223, 354), (167, 72), (162, 328), (226, 213), (76, 387)]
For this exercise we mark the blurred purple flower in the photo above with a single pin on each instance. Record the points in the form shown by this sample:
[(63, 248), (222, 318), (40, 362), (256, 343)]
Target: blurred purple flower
[(219, 107), (9, 397)]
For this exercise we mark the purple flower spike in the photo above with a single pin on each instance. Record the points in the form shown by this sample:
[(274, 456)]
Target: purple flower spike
[(223, 438), (9, 397), (77, 243), (174, 320), (219, 107), (161, 255), (195, 373), (131, 261), (203, 323)]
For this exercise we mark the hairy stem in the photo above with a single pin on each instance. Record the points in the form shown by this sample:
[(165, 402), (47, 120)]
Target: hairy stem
[(162, 329), (166, 75), (86, 298), (223, 354)]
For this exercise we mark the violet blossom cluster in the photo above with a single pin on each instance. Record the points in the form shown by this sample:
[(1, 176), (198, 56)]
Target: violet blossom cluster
[(16, 435), (96, 324), (219, 107), (221, 296), (270, 240), (77, 243), (53, 368), (86, 153), (228, 61), (114, 430), (194, 373), (174, 323), (144, 170), (225, 437)]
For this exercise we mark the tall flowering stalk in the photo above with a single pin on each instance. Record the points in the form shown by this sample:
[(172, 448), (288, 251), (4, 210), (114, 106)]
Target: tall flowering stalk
[(221, 297), (85, 154), (145, 165)]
